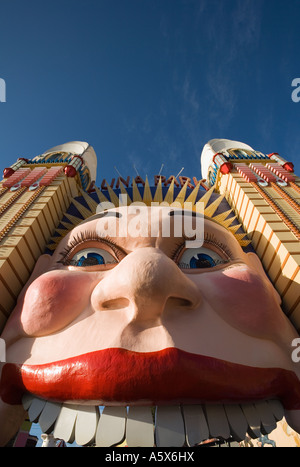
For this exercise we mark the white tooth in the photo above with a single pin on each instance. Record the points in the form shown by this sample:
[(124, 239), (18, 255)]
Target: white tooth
[(253, 420), (277, 409), (139, 428), (65, 423), (27, 400), (268, 422), (48, 416), (169, 426), (35, 409), (111, 426), (237, 421), (86, 424), (195, 424), (217, 421)]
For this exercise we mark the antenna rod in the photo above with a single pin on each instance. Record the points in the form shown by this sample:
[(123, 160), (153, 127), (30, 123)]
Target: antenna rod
[(161, 169), (179, 172), (117, 171)]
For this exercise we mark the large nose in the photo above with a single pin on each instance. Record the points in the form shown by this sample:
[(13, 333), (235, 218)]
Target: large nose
[(145, 281)]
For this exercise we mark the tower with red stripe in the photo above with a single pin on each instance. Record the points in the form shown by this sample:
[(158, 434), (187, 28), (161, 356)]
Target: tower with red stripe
[(264, 193)]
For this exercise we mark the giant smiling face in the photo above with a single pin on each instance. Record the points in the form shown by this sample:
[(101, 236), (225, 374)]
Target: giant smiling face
[(147, 320)]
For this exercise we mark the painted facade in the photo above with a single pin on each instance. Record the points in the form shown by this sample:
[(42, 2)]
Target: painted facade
[(179, 341)]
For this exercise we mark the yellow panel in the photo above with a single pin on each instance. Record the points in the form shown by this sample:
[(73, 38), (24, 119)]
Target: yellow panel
[(8, 215), (295, 317), (10, 277), (38, 216), (292, 293), (277, 264), (267, 247), (7, 300), (286, 236), (25, 197), (271, 217), (13, 256), (30, 241), (255, 196), (52, 208), (257, 235), (55, 194), (6, 197), (280, 227), (293, 247), (245, 207), (292, 193), (3, 320), (253, 221), (259, 201), (19, 231), (247, 210), (242, 196), (272, 193), (265, 209)]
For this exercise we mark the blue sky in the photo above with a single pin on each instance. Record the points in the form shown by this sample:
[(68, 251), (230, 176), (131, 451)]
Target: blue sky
[(149, 82)]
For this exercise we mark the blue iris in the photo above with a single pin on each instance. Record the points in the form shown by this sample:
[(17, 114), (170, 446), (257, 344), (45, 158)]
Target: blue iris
[(91, 260), (202, 261)]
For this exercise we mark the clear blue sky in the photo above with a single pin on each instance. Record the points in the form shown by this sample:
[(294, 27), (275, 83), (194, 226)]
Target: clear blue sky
[(147, 82)]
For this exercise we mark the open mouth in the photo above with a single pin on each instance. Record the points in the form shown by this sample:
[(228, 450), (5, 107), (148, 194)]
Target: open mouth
[(164, 398), (161, 426)]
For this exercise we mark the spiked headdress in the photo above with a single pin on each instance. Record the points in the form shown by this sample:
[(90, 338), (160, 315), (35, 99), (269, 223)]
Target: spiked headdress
[(87, 204)]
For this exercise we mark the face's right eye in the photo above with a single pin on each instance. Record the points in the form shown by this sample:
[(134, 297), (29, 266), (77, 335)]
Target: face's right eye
[(92, 257)]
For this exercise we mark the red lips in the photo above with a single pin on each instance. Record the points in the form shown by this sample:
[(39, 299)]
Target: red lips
[(170, 376)]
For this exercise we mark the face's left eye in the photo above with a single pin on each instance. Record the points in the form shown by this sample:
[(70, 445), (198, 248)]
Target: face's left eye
[(199, 258), (92, 257)]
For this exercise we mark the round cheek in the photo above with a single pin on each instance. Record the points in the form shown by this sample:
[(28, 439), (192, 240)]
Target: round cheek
[(54, 300), (245, 300)]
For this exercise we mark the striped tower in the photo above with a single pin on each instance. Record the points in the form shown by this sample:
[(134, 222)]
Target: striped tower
[(34, 194), (264, 193)]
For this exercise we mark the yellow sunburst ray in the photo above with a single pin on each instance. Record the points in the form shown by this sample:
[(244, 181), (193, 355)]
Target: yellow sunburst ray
[(193, 196), (170, 193), (211, 209), (102, 198), (83, 210), (158, 198), (72, 219), (181, 195), (206, 197), (125, 195), (234, 228), (113, 197), (221, 217), (136, 195), (89, 201), (227, 223), (147, 198)]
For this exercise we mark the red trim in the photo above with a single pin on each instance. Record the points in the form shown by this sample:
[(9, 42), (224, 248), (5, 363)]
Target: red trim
[(8, 172), (217, 154), (70, 171), (226, 168), (289, 166)]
